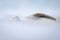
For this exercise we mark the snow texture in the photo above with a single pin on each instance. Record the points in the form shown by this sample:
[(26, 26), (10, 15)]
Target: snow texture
[(16, 22), (15, 28)]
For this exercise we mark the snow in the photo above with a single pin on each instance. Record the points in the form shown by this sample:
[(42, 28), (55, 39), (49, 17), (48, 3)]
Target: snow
[(28, 29), (16, 22)]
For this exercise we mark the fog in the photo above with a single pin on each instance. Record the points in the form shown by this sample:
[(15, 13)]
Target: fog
[(26, 28)]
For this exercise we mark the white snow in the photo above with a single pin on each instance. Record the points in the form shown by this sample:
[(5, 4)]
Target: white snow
[(25, 27), (29, 29)]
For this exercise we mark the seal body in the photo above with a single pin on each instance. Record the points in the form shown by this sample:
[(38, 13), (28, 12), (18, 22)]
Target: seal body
[(41, 15)]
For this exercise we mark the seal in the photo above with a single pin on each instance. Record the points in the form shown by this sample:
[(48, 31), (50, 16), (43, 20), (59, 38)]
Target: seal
[(42, 15)]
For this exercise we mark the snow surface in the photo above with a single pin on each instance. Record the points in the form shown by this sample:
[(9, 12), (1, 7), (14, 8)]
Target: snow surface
[(28, 29), (25, 27)]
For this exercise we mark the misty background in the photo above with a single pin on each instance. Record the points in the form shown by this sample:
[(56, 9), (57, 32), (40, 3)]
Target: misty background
[(12, 28)]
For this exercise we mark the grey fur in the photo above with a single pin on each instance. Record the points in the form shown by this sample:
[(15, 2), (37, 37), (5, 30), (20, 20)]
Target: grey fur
[(41, 15)]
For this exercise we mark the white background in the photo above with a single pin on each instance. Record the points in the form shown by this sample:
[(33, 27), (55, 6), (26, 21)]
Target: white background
[(13, 29)]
